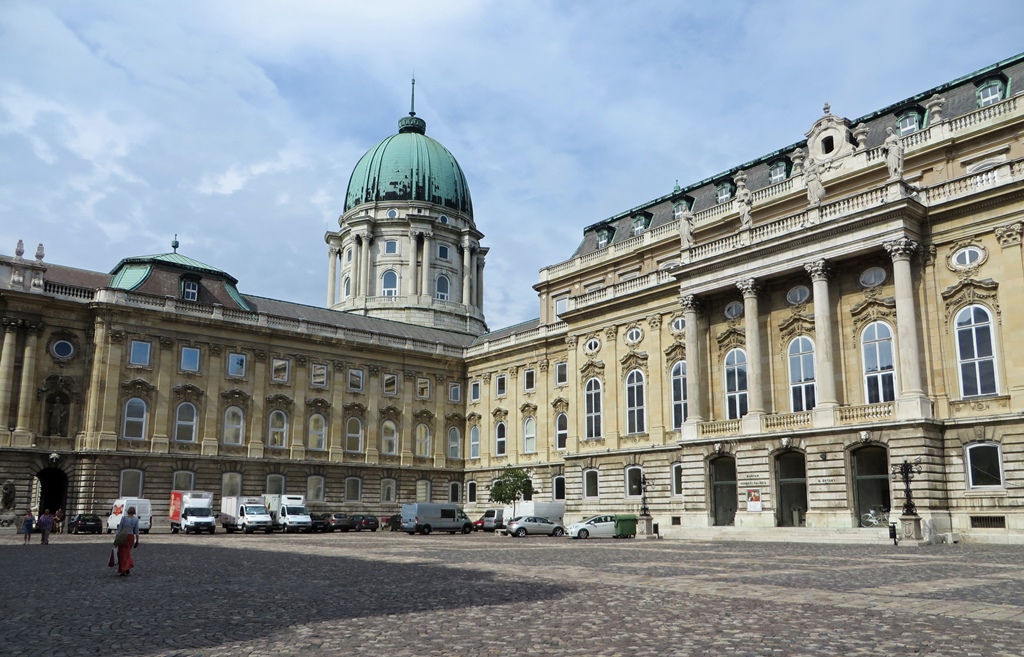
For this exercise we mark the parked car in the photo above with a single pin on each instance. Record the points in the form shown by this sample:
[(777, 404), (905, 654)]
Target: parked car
[(84, 523), (318, 522), (340, 521), (395, 522), (596, 527), (478, 525), (524, 525), (360, 523)]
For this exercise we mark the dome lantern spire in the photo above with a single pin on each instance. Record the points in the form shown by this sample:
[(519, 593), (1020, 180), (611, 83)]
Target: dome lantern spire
[(411, 123)]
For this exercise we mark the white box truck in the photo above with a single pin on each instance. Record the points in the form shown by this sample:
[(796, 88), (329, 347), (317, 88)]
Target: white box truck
[(191, 511), (553, 511), (143, 511), (246, 513), (426, 517), (288, 512)]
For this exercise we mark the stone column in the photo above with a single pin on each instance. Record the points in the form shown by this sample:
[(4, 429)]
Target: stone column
[(752, 330), (94, 403), (428, 257), (824, 368), (413, 248), (354, 271), (166, 363), (209, 444), (7, 376), (28, 386), (297, 439), (467, 272), (332, 276), (364, 267), (480, 282), (695, 402), (913, 402)]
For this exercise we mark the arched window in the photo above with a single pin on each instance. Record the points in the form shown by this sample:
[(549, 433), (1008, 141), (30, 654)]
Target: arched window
[(471, 492), (678, 394), (422, 490), (275, 484), (735, 384), (677, 478), (389, 437), (353, 435), (183, 480), (530, 436), (454, 492), (131, 483), (591, 489), (635, 420), (315, 490), (593, 417), (347, 287), (389, 284), (278, 434), (499, 439), (561, 431), (443, 288), (801, 374), (879, 372), (454, 443), (317, 432), (558, 487), (975, 351), (135, 414), (234, 423), (387, 490), (474, 442), (634, 481), (353, 489), (422, 440), (185, 423), (984, 465), (230, 484)]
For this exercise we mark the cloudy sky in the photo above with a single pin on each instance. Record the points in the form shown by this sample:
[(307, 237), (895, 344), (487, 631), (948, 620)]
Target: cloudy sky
[(235, 125)]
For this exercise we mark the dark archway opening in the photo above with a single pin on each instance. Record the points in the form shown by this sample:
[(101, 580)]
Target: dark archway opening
[(723, 490), (871, 482), (791, 476), (53, 490)]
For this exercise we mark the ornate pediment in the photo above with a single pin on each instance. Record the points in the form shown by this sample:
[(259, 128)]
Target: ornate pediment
[(634, 360), (235, 397), (187, 392), (528, 409), (423, 415), (280, 402), (675, 352), (454, 418), (968, 292), (560, 404), (830, 137), (794, 325), (590, 370), (871, 310), (499, 414), (731, 338), (138, 388), (474, 418), (387, 413), (318, 405)]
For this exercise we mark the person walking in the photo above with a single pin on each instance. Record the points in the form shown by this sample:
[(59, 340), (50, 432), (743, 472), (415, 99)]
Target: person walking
[(45, 527), (126, 540), (26, 526), (58, 522)]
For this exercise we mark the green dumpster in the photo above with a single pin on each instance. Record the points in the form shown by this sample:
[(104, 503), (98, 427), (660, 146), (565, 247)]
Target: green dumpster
[(625, 525)]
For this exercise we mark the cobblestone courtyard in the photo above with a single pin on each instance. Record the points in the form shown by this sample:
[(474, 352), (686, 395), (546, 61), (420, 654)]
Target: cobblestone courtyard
[(393, 594)]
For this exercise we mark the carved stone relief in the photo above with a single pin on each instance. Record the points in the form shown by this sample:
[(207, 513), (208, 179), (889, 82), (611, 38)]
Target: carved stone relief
[(968, 292)]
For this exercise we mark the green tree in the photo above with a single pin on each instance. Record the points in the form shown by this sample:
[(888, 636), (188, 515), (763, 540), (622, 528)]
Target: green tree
[(511, 486)]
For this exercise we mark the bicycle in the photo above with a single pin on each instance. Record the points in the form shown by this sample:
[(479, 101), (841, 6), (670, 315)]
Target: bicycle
[(875, 517)]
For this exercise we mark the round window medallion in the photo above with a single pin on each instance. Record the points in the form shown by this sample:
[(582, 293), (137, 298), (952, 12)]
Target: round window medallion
[(634, 335), (798, 294), (872, 277), (63, 349), (733, 310), (592, 345), (967, 257), (443, 219), (392, 214), (679, 324)]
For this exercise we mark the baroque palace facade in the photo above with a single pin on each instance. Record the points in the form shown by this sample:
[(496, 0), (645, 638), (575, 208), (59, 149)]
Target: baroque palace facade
[(756, 349)]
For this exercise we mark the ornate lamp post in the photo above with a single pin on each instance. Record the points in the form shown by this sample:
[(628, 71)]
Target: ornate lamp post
[(910, 520), (644, 509)]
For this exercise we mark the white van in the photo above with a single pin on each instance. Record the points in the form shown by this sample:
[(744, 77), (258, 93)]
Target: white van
[(143, 511), (426, 517)]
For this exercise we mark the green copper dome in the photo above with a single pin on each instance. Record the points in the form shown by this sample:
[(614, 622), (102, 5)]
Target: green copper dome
[(409, 166)]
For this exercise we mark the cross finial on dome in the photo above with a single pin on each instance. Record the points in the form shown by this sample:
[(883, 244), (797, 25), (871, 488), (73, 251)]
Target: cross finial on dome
[(412, 104)]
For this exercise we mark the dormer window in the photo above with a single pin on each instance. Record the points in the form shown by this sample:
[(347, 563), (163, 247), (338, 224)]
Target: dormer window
[(991, 92), (777, 172), (604, 237), (189, 289), (724, 192), (638, 225), (908, 124)]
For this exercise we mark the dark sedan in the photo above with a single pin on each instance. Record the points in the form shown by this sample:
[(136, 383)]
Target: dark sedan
[(84, 523), (319, 522), (360, 523)]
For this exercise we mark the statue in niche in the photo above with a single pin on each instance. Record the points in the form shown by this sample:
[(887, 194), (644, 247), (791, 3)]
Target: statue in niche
[(745, 203), (56, 416), (812, 179), (893, 148), (685, 225), (8, 496)]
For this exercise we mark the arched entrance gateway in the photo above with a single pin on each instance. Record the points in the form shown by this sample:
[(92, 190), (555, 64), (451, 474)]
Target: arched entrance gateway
[(791, 479), (870, 480), (723, 490), (50, 490)]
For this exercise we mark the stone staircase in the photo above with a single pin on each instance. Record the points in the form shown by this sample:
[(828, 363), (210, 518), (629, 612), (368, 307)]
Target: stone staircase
[(863, 536)]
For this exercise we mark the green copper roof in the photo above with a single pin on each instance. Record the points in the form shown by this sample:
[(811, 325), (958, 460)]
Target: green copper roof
[(173, 259), (129, 277), (409, 166)]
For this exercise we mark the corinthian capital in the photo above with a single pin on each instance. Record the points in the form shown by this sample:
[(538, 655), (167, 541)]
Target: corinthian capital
[(748, 286), (819, 270), (901, 249), (691, 302)]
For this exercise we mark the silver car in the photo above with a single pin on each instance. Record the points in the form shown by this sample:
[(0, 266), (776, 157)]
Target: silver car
[(599, 527), (524, 525)]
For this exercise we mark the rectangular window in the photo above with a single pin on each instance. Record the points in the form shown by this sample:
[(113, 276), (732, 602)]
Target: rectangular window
[(279, 370), (391, 247), (318, 375), (454, 392), (183, 480), (355, 380), (236, 365), (315, 489), (561, 305), (139, 355), (443, 252), (422, 490), (275, 484), (390, 384), (230, 484), (131, 483), (189, 359), (561, 374), (590, 484), (353, 489), (190, 291), (499, 386), (387, 490), (529, 380), (474, 391), (423, 388), (984, 465)]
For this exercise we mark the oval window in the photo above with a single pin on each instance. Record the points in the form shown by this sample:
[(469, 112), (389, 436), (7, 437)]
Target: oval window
[(733, 310), (679, 324), (443, 219), (392, 214), (798, 294), (967, 256), (872, 277), (633, 335), (592, 345), (63, 349)]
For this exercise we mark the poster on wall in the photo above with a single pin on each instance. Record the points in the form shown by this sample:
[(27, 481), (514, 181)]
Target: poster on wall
[(754, 499)]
